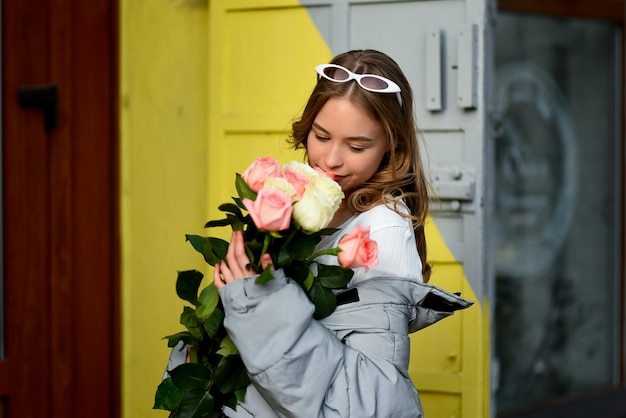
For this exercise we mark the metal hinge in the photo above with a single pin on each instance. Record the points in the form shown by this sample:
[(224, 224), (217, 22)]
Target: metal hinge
[(454, 188)]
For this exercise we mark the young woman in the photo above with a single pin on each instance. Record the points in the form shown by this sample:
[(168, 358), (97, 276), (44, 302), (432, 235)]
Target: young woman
[(358, 127)]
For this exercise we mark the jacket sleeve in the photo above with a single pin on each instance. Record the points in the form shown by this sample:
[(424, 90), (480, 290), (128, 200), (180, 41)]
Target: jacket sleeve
[(299, 366)]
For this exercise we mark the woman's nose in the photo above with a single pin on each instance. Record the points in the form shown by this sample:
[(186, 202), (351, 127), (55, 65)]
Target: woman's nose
[(334, 157)]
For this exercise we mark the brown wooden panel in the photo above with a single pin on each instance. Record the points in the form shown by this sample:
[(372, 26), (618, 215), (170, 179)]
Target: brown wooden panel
[(62, 292), (4, 379), (26, 218), (94, 139), (60, 212), (612, 10)]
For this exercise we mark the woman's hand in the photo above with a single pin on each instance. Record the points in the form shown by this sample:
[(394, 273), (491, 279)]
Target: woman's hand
[(237, 264)]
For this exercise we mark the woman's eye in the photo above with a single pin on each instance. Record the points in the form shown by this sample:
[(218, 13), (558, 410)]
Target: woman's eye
[(356, 148), (321, 138)]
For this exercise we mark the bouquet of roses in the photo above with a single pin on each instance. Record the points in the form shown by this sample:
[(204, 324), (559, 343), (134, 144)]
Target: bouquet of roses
[(288, 211)]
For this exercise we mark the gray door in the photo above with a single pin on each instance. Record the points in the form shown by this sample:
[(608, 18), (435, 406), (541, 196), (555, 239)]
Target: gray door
[(443, 47)]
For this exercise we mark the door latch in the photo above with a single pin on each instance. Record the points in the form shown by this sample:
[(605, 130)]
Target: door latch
[(454, 187), (44, 97)]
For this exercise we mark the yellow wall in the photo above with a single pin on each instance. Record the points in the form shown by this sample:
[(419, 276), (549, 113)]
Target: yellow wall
[(163, 179), (450, 360), (257, 85)]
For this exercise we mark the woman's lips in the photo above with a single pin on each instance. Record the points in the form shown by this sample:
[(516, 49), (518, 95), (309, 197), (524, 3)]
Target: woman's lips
[(332, 176)]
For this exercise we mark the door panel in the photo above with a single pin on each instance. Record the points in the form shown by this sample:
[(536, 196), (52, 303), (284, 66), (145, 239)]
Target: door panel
[(26, 217), (446, 361), (60, 216)]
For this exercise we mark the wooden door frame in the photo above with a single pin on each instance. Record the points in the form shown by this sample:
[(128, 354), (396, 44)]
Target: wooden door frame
[(610, 10), (60, 214), (607, 401)]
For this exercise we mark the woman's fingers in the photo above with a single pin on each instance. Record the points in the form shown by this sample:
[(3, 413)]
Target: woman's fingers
[(266, 260), (236, 262), (240, 252), (242, 257), (231, 256), (217, 277)]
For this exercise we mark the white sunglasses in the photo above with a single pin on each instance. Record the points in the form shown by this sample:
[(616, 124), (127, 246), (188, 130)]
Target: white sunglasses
[(370, 82)]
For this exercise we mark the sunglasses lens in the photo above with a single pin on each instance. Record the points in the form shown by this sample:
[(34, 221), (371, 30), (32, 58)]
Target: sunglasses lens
[(374, 83), (335, 73)]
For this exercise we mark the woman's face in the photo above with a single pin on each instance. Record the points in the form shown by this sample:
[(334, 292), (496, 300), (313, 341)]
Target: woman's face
[(347, 143)]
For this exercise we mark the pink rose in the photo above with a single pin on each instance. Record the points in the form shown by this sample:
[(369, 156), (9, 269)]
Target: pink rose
[(259, 170), (357, 249), (271, 211), (297, 180)]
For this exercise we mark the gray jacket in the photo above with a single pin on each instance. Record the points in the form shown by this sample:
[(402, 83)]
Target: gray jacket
[(352, 363)]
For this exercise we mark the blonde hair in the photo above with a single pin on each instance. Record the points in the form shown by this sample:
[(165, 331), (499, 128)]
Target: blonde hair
[(400, 174)]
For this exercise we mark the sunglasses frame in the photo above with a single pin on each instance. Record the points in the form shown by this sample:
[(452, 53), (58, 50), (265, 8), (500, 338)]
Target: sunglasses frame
[(391, 86)]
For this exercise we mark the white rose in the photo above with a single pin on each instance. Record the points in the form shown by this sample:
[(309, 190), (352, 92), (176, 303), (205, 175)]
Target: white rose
[(331, 188), (318, 204), (303, 169), (319, 179), (279, 183)]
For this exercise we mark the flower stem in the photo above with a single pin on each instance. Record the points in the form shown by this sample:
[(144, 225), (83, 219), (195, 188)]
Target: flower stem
[(267, 240), (329, 251)]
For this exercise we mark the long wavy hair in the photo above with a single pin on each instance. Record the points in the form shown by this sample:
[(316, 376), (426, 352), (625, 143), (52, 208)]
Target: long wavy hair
[(401, 173)]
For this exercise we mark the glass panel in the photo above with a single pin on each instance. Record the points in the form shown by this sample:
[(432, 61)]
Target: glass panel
[(556, 207)]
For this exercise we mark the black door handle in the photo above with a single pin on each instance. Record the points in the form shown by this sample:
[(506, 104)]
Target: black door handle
[(44, 97)]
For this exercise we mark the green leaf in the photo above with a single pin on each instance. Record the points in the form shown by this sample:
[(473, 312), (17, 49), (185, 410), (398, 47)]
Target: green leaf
[(230, 400), (227, 347), (325, 231), (299, 271), (265, 276), (167, 396), (187, 285), (218, 222), (308, 282), (209, 297), (197, 242), (285, 255), (324, 300), (236, 223), (243, 190), (231, 375), (232, 208), (189, 376), (213, 324), (213, 249), (190, 320), (184, 336), (219, 248), (333, 277), (195, 404), (302, 246), (239, 203), (240, 394), (254, 248)]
